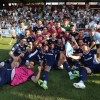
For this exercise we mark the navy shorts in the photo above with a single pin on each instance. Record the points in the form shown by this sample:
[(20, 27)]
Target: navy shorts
[(96, 68), (5, 76), (52, 64)]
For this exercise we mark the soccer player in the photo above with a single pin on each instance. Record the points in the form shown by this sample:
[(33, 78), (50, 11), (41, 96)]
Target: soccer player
[(73, 31), (49, 57), (10, 76), (87, 59), (17, 50), (60, 44), (95, 36), (28, 36), (85, 39), (51, 61)]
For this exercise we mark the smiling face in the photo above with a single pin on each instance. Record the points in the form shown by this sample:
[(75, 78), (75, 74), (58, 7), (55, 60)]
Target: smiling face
[(80, 42), (72, 28), (39, 22), (91, 33), (22, 24), (27, 33), (66, 22), (31, 64), (23, 41), (85, 48), (58, 25), (81, 34)]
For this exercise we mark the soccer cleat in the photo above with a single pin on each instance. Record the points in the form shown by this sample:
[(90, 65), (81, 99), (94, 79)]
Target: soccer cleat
[(40, 82), (76, 73), (43, 85), (79, 85), (72, 77)]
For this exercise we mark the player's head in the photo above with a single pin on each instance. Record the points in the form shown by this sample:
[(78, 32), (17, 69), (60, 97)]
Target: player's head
[(85, 48), (81, 34), (52, 45), (23, 41), (72, 28), (91, 32), (31, 64), (46, 47), (27, 32), (66, 21), (59, 41), (58, 24), (21, 23), (80, 42)]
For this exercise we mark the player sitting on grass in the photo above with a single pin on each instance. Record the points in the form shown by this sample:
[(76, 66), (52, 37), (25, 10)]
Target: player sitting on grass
[(50, 60), (88, 61)]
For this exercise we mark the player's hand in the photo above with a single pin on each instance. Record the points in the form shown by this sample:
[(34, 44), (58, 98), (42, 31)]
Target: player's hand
[(22, 55), (39, 68)]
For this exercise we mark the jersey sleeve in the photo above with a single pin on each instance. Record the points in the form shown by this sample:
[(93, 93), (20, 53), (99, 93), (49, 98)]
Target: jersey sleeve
[(14, 47), (94, 51)]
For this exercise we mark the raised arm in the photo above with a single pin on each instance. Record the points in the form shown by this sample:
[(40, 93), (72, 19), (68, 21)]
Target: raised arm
[(36, 78)]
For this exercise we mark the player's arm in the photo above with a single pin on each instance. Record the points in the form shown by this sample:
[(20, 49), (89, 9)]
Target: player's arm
[(36, 78), (92, 45), (98, 50), (16, 58), (74, 57), (11, 54)]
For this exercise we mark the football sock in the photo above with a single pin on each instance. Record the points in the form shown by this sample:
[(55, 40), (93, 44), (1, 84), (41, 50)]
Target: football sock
[(77, 65), (67, 67), (45, 76), (83, 74)]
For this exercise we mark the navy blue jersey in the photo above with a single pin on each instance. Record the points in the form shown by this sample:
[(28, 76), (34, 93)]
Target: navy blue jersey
[(60, 47), (25, 58), (87, 40), (77, 51), (39, 49), (52, 41), (50, 57), (36, 56), (30, 39), (17, 49), (74, 34), (87, 59)]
